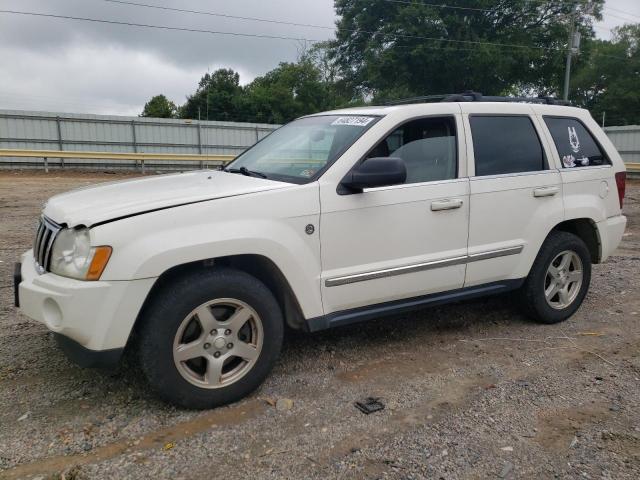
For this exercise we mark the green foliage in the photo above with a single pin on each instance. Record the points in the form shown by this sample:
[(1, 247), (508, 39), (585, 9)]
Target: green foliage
[(217, 97), (159, 107), (398, 49), (605, 83), (286, 92)]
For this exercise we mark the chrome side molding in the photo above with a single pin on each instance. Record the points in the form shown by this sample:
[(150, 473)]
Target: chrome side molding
[(447, 262)]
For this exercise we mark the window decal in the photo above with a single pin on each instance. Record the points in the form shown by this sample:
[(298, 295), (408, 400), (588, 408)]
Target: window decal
[(575, 144), (569, 161), (574, 141), (353, 121)]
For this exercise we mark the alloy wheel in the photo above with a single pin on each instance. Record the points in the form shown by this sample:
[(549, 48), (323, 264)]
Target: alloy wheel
[(218, 343), (563, 280)]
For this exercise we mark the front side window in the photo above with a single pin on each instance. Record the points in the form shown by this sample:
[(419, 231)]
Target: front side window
[(505, 144), (576, 146), (427, 146), (299, 151)]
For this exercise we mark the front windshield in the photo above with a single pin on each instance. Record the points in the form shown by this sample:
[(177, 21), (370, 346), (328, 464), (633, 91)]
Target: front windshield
[(298, 151)]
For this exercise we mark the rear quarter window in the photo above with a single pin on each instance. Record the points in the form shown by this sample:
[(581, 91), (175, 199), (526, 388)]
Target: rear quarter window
[(575, 144)]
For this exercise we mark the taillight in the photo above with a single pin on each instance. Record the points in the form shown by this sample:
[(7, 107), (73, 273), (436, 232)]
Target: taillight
[(621, 183)]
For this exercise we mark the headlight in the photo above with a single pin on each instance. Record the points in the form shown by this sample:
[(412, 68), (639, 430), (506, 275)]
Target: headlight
[(73, 256)]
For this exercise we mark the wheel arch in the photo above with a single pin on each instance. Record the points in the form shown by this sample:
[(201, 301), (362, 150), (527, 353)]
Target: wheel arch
[(587, 231), (255, 265)]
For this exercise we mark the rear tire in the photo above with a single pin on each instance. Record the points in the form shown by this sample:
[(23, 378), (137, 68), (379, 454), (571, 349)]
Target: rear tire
[(209, 338), (559, 279)]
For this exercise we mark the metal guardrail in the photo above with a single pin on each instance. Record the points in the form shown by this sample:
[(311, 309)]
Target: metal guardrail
[(163, 157), (126, 156)]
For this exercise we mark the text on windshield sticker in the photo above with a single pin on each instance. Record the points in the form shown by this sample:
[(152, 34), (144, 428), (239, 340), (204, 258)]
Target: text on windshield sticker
[(353, 121)]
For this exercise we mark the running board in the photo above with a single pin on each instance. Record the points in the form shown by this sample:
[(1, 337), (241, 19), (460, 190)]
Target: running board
[(361, 314)]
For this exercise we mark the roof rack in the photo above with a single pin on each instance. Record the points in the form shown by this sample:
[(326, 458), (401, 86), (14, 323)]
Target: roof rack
[(471, 96)]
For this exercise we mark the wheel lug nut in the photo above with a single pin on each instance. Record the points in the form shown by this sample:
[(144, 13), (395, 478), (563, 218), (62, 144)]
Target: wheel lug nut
[(229, 345), (214, 331), (216, 354), (207, 346), (227, 332)]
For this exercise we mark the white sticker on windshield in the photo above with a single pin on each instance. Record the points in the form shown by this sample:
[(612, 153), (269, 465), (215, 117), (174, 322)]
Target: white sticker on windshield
[(353, 121)]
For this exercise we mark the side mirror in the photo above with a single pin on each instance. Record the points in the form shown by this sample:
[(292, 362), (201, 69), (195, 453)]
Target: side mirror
[(374, 172)]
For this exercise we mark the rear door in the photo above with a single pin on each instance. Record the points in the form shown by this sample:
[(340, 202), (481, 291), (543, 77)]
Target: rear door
[(516, 194)]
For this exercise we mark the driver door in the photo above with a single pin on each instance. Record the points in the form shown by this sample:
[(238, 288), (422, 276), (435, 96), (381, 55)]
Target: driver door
[(398, 242)]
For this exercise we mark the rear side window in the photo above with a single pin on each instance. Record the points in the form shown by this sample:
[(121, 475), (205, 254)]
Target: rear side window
[(576, 146), (505, 144)]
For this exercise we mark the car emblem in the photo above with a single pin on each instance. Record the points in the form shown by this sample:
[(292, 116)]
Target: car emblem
[(309, 229)]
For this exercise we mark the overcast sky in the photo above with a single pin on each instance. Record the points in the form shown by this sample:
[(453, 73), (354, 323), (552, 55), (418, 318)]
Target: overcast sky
[(72, 66)]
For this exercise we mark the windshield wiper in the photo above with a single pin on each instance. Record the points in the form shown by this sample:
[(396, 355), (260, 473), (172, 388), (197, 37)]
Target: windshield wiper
[(245, 171)]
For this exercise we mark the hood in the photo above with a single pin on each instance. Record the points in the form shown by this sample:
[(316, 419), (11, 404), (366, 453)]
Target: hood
[(109, 201)]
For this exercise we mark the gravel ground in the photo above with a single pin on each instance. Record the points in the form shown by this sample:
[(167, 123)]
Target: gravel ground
[(472, 390)]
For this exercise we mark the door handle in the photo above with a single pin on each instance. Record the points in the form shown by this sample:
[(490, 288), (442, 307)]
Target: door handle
[(446, 204), (545, 191)]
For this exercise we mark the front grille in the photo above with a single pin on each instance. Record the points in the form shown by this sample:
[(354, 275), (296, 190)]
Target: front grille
[(46, 234)]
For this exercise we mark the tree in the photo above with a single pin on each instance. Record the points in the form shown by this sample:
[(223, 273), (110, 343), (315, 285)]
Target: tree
[(390, 49), (216, 98), (609, 79), (159, 107), (287, 92)]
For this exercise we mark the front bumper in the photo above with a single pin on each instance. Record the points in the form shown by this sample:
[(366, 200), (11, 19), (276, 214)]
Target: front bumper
[(86, 358), (88, 318)]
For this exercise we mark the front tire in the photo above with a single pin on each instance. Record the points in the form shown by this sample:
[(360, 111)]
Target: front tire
[(559, 279), (209, 338)]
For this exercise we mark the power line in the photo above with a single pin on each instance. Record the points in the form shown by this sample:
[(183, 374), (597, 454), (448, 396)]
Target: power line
[(160, 27), (620, 18), (282, 22), (256, 19), (442, 5), (277, 37), (221, 15), (622, 11), (491, 10)]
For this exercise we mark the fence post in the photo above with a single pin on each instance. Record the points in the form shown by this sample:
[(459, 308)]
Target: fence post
[(135, 141), (142, 163), (200, 144), (60, 146), (46, 165)]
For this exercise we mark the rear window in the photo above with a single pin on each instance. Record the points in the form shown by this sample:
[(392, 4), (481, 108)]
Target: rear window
[(575, 144), (505, 144)]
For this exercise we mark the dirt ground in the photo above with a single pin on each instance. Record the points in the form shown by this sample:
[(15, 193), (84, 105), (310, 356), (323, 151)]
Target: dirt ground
[(472, 390)]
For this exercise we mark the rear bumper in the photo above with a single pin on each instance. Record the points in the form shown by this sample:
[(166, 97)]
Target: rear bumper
[(610, 232), (88, 318)]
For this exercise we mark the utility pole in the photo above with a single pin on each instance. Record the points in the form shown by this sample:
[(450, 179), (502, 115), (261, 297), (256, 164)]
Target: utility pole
[(573, 45), (208, 90)]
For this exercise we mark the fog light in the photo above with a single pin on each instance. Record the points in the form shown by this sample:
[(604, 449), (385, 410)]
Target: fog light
[(52, 313)]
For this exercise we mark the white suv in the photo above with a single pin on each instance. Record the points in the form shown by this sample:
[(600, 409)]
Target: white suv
[(335, 218)]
